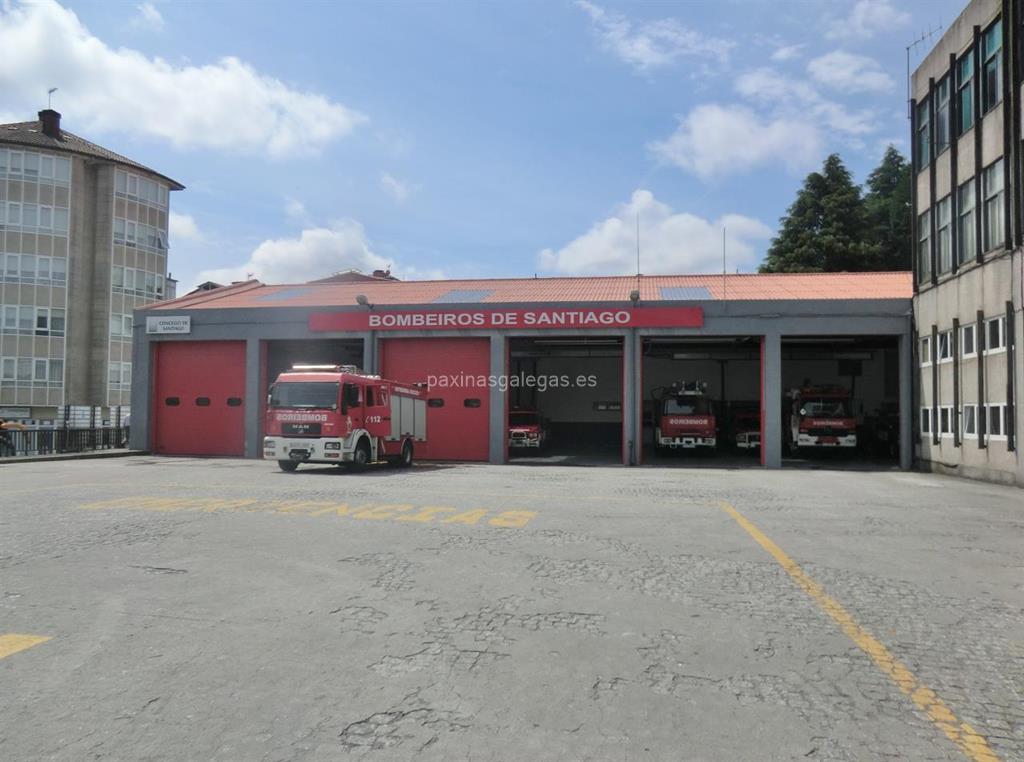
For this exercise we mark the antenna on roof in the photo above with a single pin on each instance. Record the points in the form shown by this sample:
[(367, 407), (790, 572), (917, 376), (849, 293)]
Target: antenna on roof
[(638, 250), (723, 262), (924, 37), (49, 97)]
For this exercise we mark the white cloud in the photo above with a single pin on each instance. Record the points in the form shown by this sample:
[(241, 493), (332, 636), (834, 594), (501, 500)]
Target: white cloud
[(397, 189), (787, 52), (316, 253), (800, 101), (296, 211), (226, 105), (651, 44), (714, 140), (865, 20), (183, 226), (670, 242), (850, 73), (148, 17)]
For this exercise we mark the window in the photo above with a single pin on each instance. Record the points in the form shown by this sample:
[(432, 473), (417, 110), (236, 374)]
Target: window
[(967, 347), (118, 230), (945, 347), (60, 220), (992, 192), (7, 372), (991, 66), (994, 420), (924, 146), (57, 371), (25, 369), (62, 169), (26, 319), (926, 350), (924, 255), (59, 270), (120, 182), (926, 420), (56, 322), (995, 335), (944, 232), (28, 267), (942, 116), (945, 420), (970, 425), (46, 167), (46, 217), (30, 215), (117, 277), (121, 325), (10, 318), (16, 162), (39, 370), (13, 213), (965, 221), (42, 321), (133, 185)]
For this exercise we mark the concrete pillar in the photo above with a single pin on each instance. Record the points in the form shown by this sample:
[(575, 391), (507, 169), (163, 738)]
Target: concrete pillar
[(143, 383), (771, 400), (630, 391), (906, 374), (498, 423), (370, 360), (253, 397)]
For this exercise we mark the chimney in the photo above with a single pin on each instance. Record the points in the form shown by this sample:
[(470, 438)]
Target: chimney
[(51, 123)]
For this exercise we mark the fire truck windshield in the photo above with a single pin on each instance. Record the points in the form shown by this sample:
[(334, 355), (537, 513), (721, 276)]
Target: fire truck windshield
[(687, 406), (825, 408), (322, 395), (523, 418)]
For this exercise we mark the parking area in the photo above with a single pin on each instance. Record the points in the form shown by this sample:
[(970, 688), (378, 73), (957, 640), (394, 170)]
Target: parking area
[(168, 608)]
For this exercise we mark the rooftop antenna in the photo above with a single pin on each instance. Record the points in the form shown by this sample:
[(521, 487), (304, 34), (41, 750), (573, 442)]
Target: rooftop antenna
[(638, 250), (49, 97), (723, 262), (921, 39)]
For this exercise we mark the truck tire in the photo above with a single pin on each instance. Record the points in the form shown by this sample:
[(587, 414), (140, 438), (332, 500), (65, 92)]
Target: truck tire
[(361, 456), (405, 461), (287, 465)]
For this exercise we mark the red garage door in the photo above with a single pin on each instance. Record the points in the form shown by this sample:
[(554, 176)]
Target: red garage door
[(200, 391), (457, 414)]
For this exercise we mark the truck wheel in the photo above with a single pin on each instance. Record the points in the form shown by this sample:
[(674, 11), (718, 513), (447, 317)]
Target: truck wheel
[(406, 459), (287, 465), (361, 457)]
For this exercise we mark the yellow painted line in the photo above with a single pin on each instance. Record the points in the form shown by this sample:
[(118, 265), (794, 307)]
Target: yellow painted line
[(966, 738), (12, 643)]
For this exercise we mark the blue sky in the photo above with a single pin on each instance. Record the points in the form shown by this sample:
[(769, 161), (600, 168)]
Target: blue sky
[(471, 139)]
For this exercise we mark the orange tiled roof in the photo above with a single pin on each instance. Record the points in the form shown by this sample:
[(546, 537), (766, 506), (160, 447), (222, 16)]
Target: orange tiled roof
[(653, 288)]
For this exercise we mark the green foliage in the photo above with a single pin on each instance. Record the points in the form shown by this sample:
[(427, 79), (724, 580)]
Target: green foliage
[(831, 227)]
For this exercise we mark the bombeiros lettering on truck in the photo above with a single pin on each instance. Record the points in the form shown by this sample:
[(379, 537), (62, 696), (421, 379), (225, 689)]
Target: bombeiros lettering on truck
[(821, 417), (336, 414)]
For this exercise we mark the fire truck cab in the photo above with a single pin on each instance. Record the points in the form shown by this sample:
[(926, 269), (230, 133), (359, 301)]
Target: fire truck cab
[(684, 416), (335, 414), (821, 416)]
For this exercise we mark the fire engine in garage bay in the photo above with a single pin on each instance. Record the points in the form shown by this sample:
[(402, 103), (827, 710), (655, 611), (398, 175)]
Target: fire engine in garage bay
[(684, 417), (821, 416), (336, 414)]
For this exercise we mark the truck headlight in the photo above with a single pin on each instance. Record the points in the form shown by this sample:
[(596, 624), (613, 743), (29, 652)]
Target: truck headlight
[(268, 443), (332, 446)]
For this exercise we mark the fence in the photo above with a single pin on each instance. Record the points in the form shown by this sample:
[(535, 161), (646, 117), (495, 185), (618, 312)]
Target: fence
[(56, 441)]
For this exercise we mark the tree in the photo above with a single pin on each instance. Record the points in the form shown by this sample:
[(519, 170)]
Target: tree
[(826, 229), (887, 204)]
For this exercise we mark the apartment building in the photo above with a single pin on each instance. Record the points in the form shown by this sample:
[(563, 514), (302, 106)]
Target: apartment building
[(83, 243), (966, 129)]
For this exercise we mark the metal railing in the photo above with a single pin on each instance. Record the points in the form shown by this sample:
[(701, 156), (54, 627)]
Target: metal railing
[(58, 441)]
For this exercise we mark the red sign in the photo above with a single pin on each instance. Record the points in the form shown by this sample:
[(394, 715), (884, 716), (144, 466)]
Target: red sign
[(544, 318)]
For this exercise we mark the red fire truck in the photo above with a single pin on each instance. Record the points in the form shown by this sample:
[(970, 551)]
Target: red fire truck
[(747, 428), (684, 416), (821, 416), (336, 414), (526, 429)]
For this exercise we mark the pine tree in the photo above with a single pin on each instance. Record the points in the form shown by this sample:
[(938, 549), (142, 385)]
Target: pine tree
[(826, 229), (887, 204)]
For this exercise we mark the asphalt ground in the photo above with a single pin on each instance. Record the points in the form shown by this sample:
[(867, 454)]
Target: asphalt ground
[(169, 609)]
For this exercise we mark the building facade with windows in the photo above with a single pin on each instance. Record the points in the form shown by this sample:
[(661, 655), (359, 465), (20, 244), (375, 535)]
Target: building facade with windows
[(967, 155), (83, 243)]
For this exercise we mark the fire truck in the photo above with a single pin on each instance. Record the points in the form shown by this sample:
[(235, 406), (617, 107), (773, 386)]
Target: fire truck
[(336, 414), (747, 428), (821, 416), (684, 417), (526, 430)]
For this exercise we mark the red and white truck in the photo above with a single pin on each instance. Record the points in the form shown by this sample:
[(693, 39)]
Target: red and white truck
[(821, 417), (747, 428), (526, 430), (336, 414), (684, 416)]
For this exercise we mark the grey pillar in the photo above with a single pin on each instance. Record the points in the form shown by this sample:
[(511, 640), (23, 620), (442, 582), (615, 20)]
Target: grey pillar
[(906, 413), (771, 400), (142, 386), (499, 371), (630, 379), (253, 395), (370, 353)]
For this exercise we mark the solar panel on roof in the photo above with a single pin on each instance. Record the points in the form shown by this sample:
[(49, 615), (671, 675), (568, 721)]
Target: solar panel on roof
[(463, 295), (280, 296), (678, 293)]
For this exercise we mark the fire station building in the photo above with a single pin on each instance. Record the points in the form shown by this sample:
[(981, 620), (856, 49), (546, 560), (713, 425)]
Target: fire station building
[(587, 354)]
